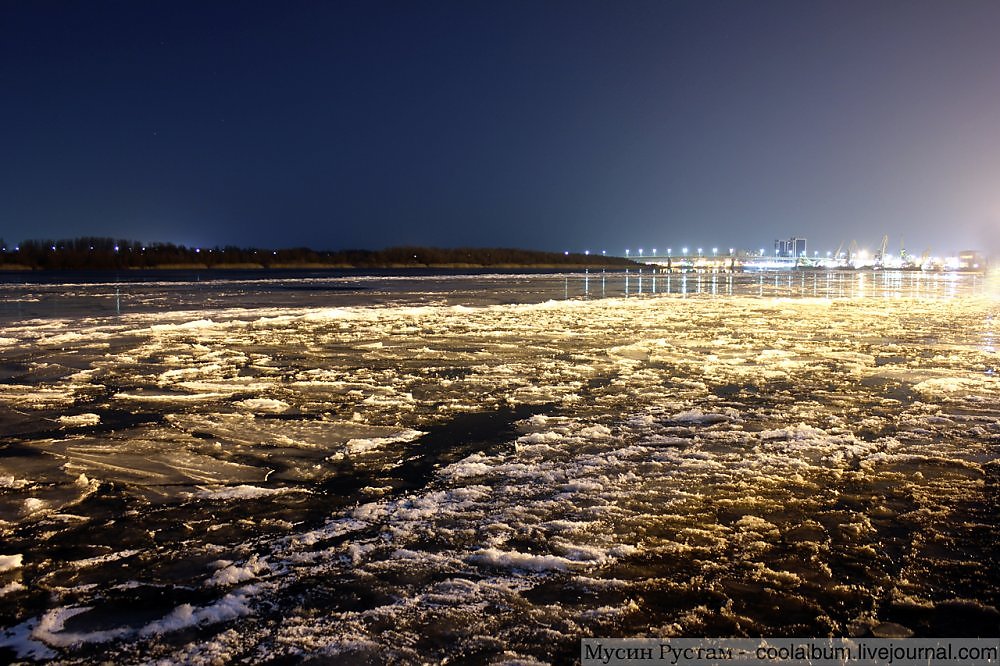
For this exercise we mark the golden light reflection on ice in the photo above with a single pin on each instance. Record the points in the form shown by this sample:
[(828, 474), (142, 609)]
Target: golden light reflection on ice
[(814, 460)]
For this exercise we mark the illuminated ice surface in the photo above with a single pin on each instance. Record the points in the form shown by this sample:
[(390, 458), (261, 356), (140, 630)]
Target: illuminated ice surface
[(443, 474)]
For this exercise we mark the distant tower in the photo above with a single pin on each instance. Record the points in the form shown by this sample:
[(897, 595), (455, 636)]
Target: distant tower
[(793, 247)]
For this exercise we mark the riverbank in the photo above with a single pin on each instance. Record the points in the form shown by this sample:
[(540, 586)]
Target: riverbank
[(320, 267), (107, 254)]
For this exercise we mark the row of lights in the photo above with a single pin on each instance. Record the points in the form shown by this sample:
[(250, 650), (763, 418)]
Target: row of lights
[(684, 251), (732, 251), (17, 248)]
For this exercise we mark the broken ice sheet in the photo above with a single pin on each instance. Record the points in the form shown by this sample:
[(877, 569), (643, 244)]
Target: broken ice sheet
[(354, 480)]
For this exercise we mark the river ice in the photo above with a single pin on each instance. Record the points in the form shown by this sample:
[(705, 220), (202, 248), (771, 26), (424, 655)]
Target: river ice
[(483, 482)]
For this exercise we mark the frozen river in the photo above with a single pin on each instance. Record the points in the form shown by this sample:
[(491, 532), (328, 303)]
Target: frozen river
[(487, 468)]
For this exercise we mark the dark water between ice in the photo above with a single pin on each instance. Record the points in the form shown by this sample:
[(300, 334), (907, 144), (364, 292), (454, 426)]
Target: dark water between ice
[(100, 293), (403, 468)]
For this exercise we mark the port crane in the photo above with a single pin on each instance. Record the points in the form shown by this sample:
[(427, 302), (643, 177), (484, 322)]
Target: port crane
[(880, 257), (836, 255)]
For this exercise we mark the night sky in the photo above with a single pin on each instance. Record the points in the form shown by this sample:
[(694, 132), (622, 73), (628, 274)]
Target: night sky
[(549, 125)]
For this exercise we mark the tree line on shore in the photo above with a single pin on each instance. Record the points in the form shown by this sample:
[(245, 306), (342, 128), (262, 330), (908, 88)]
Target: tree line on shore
[(87, 253)]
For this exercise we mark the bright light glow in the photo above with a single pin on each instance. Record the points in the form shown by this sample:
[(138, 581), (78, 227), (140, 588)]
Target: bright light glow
[(684, 250)]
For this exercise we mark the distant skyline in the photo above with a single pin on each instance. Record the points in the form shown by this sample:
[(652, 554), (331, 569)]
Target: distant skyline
[(573, 125)]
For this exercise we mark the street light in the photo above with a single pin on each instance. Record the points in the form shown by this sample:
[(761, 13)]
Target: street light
[(626, 252), (715, 251), (684, 250)]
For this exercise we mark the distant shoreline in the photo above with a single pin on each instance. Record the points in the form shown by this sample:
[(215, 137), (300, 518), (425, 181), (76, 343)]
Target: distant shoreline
[(89, 253), (306, 266), (20, 268)]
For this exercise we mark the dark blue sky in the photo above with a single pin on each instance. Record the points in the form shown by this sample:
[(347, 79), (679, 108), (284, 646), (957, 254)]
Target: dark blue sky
[(551, 125)]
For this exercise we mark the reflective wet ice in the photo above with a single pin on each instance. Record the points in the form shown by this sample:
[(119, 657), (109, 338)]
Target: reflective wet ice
[(480, 468)]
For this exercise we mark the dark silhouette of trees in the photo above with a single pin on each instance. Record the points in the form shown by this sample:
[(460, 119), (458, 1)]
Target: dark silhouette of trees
[(92, 253)]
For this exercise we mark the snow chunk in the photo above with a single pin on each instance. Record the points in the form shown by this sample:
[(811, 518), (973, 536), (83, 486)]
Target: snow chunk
[(230, 607), (232, 574), (79, 420), (755, 524), (937, 386), (696, 416), (595, 432), (264, 405), (186, 326), (539, 438), (10, 562), (799, 432), (516, 560), (245, 492), (471, 466), (363, 445), (9, 481)]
